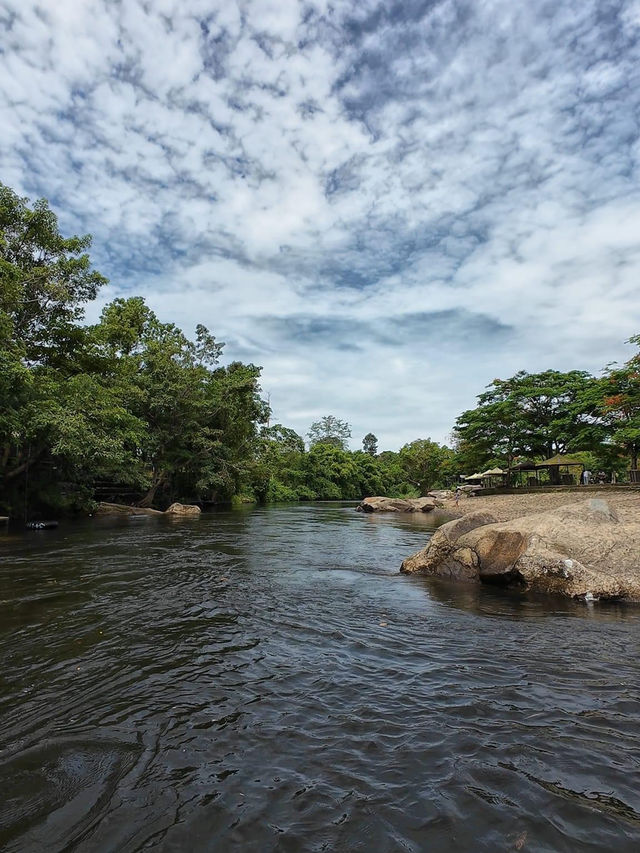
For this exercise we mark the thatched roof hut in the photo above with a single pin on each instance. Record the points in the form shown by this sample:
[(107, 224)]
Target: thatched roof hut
[(564, 470)]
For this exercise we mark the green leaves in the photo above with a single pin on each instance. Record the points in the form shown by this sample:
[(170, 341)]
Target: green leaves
[(531, 415), (44, 277), (330, 430), (618, 402)]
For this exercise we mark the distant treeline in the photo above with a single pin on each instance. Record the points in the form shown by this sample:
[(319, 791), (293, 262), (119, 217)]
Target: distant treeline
[(132, 409)]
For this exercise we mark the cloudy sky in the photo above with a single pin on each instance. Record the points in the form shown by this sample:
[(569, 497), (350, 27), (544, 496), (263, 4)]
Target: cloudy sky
[(385, 204)]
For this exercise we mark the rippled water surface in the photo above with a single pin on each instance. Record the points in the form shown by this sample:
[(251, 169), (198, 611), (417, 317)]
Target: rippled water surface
[(267, 681)]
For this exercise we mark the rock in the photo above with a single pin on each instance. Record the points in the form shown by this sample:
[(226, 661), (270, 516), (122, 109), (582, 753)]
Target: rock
[(183, 509), (581, 550), (380, 504), (435, 558), (441, 494), (124, 510)]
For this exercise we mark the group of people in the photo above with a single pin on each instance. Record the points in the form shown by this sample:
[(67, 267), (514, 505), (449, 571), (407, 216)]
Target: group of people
[(600, 477)]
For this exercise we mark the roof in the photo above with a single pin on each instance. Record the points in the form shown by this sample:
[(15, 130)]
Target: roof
[(524, 466), (494, 472), (474, 477), (560, 459)]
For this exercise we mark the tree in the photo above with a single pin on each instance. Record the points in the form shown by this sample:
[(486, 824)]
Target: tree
[(276, 471), (370, 444), (620, 404), (423, 462), (129, 401), (330, 430), (331, 473), (45, 278), (539, 414), (200, 421)]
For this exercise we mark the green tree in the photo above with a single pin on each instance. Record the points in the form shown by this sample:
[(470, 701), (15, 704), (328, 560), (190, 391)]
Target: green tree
[(330, 430), (424, 463), (331, 473), (532, 415), (45, 278), (46, 420), (200, 421), (370, 444), (619, 404)]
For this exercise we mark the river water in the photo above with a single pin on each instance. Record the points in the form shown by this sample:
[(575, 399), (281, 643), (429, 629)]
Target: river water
[(266, 680)]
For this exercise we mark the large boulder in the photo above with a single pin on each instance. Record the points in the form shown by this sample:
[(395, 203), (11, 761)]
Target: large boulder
[(580, 550), (183, 509), (380, 504)]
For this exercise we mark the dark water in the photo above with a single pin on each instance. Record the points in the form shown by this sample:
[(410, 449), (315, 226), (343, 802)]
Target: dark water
[(267, 681)]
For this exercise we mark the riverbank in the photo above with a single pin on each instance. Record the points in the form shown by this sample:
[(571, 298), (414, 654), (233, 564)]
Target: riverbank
[(507, 507)]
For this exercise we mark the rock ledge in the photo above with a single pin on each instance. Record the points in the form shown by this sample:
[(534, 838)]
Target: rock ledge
[(580, 550), (123, 510), (380, 504)]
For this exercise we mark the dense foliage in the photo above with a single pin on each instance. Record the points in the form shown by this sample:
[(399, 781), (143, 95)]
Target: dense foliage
[(129, 408), (132, 409)]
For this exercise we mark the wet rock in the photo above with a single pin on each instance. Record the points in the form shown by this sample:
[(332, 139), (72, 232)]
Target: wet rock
[(580, 550), (183, 509), (436, 557), (381, 504)]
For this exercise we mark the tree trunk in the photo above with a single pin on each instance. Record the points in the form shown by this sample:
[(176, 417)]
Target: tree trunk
[(148, 499), (28, 462), (5, 456)]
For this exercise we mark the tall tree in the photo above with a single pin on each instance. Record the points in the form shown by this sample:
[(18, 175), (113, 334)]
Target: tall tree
[(330, 430), (45, 278), (620, 404), (370, 444), (200, 421)]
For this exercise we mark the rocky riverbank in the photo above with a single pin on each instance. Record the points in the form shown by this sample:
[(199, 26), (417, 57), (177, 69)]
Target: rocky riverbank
[(585, 549)]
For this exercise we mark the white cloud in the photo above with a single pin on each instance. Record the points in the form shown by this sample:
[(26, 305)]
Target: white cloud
[(385, 206)]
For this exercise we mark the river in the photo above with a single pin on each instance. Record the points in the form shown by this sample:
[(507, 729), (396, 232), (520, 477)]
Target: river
[(265, 680)]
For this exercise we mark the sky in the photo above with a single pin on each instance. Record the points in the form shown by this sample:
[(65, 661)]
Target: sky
[(386, 205)]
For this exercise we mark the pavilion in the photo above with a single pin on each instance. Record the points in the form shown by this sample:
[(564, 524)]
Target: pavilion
[(494, 478), (563, 470)]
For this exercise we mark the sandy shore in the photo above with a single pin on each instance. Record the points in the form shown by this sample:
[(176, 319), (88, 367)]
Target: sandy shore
[(506, 507)]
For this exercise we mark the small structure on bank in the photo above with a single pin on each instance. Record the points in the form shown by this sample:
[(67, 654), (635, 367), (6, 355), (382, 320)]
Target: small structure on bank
[(524, 474), (473, 480), (563, 470), (559, 470), (494, 478)]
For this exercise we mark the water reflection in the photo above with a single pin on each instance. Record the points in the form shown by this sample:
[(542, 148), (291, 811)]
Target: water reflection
[(486, 600)]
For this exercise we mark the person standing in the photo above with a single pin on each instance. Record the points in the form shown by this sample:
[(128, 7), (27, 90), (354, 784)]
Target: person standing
[(586, 475)]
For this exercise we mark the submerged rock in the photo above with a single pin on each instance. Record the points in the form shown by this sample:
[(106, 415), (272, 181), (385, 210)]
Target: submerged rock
[(580, 550), (380, 504)]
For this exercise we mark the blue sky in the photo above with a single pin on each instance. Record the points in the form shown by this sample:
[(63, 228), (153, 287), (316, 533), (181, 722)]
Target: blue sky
[(385, 204)]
